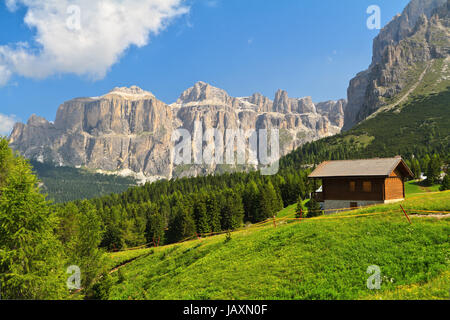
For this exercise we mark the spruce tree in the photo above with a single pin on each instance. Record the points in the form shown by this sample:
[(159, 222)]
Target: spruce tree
[(86, 254), (445, 183), (433, 171), (314, 208), (155, 226), (182, 225), (31, 256), (213, 211), (201, 216), (232, 211)]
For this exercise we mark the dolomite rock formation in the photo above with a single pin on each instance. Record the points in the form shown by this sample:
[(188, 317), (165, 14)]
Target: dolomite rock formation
[(130, 130), (417, 36)]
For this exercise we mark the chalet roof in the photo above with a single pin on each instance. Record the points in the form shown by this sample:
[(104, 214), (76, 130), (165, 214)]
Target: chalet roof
[(360, 168)]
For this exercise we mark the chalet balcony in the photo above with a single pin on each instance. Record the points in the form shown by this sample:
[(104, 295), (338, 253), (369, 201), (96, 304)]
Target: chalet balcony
[(318, 196)]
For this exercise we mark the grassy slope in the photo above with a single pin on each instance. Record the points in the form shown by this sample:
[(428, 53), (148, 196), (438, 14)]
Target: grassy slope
[(415, 187), (321, 258)]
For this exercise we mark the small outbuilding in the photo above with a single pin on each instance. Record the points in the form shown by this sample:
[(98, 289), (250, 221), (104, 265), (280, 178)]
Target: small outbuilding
[(358, 183)]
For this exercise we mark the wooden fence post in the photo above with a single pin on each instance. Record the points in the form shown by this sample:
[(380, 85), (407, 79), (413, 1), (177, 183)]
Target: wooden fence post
[(406, 214)]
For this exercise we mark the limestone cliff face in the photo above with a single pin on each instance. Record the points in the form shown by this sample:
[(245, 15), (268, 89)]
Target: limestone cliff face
[(412, 39), (130, 130), (120, 130)]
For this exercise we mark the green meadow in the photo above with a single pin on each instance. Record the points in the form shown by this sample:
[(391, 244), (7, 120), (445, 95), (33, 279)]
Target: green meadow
[(319, 258), (415, 187)]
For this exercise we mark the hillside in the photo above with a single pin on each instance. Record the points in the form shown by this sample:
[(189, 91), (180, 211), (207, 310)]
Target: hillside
[(64, 184), (419, 126), (318, 258)]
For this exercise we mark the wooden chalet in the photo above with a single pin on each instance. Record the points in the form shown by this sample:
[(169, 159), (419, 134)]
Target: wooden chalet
[(357, 183)]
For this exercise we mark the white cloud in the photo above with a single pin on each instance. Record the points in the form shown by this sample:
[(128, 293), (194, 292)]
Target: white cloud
[(83, 37), (5, 74), (6, 124)]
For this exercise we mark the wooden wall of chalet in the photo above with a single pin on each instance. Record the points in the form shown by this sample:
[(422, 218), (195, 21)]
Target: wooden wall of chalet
[(339, 189), (394, 186)]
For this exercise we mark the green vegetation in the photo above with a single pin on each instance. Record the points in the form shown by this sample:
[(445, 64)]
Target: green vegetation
[(414, 187), (317, 258), (31, 257), (117, 259), (38, 241), (445, 183), (436, 288), (64, 184), (320, 258), (421, 128), (169, 211)]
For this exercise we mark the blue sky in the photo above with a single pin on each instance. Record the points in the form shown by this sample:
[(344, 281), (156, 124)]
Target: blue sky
[(309, 48)]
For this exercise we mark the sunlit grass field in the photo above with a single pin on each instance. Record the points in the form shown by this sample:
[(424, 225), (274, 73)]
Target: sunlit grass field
[(319, 258), (415, 187)]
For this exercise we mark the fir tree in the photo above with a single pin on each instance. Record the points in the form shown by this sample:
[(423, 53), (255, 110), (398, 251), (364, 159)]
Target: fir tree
[(232, 211), (314, 208), (445, 183), (433, 171), (31, 256)]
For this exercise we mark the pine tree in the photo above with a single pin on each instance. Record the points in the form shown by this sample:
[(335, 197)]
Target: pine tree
[(155, 225), (87, 255), (182, 225), (113, 236), (433, 171), (415, 168), (31, 256), (6, 161), (445, 183), (251, 201), (268, 203), (201, 216), (232, 211), (68, 223), (314, 208)]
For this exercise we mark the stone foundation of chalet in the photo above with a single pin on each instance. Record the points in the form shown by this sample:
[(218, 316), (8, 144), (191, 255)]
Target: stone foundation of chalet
[(339, 205)]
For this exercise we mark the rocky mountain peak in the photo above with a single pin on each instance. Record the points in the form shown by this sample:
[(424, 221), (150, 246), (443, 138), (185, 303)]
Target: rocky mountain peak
[(124, 131), (204, 93), (35, 120), (413, 39), (133, 93), (403, 25), (284, 104)]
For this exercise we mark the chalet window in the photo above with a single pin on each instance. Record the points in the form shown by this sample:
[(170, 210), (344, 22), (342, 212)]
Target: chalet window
[(367, 186), (352, 186)]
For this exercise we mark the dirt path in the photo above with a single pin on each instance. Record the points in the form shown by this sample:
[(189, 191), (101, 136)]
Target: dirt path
[(437, 216), (125, 263)]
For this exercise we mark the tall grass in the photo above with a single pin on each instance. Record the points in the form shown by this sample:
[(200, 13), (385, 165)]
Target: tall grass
[(311, 259)]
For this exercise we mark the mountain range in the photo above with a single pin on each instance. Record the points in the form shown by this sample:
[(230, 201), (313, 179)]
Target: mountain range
[(128, 130)]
